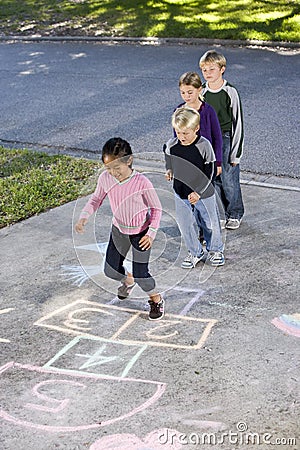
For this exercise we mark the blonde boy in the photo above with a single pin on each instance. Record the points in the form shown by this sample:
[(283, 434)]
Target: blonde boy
[(190, 163), (225, 99)]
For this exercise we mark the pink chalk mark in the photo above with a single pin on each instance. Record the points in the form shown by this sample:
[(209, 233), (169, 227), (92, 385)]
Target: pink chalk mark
[(160, 388), (285, 327), (6, 366), (61, 403), (156, 440)]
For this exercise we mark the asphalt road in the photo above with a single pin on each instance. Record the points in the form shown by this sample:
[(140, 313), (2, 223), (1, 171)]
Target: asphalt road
[(72, 96), (81, 370)]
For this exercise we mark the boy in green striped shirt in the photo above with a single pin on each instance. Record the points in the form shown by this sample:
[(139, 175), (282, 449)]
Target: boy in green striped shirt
[(225, 99)]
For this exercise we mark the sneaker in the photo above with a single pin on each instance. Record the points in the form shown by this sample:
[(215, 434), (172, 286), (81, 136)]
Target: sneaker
[(223, 224), (216, 259), (124, 291), (191, 261), (157, 310), (233, 224)]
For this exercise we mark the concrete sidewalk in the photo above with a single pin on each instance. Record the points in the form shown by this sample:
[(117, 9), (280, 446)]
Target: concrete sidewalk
[(83, 370)]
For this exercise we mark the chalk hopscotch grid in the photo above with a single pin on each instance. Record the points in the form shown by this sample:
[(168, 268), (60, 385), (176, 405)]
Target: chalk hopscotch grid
[(5, 415), (135, 314), (78, 339)]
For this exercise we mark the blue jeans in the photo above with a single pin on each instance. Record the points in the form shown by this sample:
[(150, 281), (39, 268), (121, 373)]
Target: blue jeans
[(206, 211), (228, 186), (117, 249)]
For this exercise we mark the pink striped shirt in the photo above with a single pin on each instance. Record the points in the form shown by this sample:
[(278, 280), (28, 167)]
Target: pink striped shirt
[(134, 203)]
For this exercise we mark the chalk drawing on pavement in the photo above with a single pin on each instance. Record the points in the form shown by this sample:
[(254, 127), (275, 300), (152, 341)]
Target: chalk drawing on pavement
[(38, 394), (97, 355), (79, 274), (128, 326), (5, 311), (289, 324)]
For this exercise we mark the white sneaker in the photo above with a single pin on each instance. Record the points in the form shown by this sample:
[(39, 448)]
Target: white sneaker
[(191, 261), (233, 224), (216, 259)]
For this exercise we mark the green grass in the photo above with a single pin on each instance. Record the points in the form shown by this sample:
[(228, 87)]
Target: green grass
[(33, 182), (220, 19)]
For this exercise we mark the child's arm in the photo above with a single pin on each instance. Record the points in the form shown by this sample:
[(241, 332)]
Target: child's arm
[(146, 242), (169, 175), (168, 159), (237, 131), (217, 141), (193, 197), (79, 226), (209, 170), (91, 206), (152, 201)]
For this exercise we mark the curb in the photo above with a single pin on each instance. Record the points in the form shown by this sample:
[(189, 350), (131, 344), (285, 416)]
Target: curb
[(153, 41), (154, 163), (247, 178)]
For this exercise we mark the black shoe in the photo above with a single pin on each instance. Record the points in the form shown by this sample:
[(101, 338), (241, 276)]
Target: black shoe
[(157, 310)]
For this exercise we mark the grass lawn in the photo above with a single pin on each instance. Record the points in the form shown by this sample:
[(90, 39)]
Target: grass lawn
[(220, 19), (32, 182)]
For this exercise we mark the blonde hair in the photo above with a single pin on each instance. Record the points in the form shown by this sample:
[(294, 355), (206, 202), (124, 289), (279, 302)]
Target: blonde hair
[(185, 117), (211, 56)]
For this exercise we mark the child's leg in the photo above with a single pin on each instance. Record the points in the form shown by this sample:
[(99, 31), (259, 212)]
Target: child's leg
[(117, 250), (188, 226), (220, 198), (232, 191), (230, 180), (144, 279), (207, 208), (140, 263)]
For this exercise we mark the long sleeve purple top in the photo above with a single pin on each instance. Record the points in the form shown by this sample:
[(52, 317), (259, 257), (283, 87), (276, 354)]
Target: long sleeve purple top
[(210, 129)]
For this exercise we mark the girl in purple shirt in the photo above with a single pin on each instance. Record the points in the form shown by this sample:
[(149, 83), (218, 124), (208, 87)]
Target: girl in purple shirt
[(190, 87)]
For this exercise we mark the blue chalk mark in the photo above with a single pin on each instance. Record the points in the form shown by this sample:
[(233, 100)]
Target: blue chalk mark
[(189, 305), (97, 358)]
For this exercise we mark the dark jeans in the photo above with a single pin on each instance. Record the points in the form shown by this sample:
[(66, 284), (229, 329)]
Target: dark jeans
[(227, 185), (118, 247)]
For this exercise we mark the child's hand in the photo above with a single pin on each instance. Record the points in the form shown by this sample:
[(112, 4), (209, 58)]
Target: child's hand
[(79, 226), (193, 197), (145, 242), (219, 171), (169, 175)]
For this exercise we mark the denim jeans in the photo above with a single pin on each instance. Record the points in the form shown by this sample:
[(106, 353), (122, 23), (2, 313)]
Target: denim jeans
[(206, 212), (227, 185), (117, 249)]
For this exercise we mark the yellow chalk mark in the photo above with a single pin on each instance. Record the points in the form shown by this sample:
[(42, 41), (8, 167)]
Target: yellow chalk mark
[(125, 325), (83, 305), (71, 321), (5, 311), (166, 323)]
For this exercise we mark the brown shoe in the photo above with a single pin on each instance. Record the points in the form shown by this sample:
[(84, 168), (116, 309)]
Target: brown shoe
[(124, 291)]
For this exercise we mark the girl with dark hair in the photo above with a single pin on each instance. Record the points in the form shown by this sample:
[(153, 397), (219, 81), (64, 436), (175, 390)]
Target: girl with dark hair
[(136, 216)]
